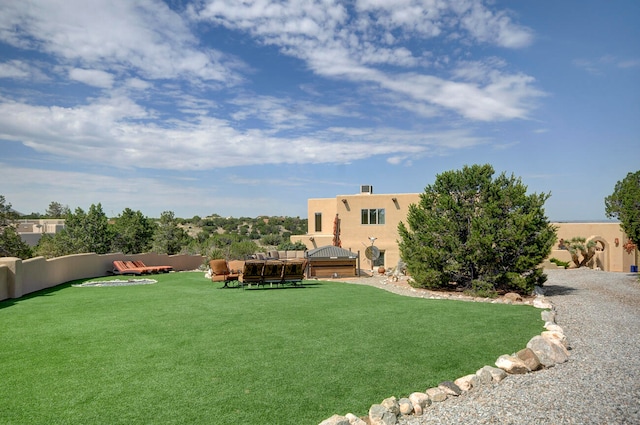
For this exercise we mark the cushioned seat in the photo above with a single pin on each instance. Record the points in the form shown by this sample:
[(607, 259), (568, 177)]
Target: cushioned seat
[(220, 272)]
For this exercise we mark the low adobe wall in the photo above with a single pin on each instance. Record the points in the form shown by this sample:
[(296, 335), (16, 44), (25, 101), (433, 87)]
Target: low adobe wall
[(20, 277)]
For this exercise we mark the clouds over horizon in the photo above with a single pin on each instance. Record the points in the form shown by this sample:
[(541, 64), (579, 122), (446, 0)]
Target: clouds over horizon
[(148, 80)]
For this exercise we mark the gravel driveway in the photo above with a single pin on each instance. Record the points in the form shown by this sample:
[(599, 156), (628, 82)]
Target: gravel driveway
[(600, 384)]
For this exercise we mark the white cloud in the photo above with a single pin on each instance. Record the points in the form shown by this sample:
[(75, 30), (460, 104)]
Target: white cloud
[(14, 69), (122, 132), (492, 27), (21, 70), (145, 36), (335, 46), (92, 77)]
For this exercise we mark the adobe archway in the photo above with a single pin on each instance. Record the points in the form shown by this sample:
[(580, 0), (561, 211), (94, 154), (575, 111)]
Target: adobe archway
[(601, 257)]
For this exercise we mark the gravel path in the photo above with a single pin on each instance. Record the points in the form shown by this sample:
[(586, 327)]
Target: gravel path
[(600, 384)]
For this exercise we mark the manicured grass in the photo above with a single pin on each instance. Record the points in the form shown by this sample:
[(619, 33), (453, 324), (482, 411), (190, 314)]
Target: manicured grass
[(183, 352)]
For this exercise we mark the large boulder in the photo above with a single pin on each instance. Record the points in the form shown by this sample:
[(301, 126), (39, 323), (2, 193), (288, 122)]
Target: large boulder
[(380, 415), (541, 302), (512, 365), (557, 337), (497, 374), (420, 401), (529, 358), (450, 388), (513, 297), (392, 405), (548, 316), (336, 420), (465, 383), (406, 407), (354, 420), (549, 353), (436, 395), (484, 377)]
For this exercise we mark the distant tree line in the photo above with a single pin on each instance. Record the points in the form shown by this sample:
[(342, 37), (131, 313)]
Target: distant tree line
[(131, 232)]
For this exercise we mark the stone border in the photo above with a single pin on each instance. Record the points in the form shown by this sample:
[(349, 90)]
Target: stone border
[(115, 282), (542, 351)]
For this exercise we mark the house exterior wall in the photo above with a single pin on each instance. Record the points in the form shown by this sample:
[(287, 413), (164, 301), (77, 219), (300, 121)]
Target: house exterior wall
[(354, 235), (31, 230)]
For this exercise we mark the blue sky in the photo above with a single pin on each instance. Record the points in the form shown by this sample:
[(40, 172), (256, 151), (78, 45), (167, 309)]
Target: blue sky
[(247, 108)]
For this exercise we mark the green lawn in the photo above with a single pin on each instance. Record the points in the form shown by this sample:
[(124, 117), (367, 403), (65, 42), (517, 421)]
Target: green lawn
[(184, 352)]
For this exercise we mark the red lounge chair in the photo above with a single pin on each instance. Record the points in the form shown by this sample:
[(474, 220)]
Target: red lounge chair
[(121, 267), (154, 269)]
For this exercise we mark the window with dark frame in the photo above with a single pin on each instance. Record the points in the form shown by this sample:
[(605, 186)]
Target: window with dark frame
[(372, 216), (318, 222)]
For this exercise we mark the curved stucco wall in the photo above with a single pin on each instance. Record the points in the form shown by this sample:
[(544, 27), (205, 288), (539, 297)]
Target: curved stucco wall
[(20, 277)]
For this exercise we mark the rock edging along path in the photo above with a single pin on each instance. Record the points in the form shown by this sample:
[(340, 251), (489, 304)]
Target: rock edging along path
[(599, 383)]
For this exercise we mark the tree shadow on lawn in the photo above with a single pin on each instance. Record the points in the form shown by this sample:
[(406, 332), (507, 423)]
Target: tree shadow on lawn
[(47, 292)]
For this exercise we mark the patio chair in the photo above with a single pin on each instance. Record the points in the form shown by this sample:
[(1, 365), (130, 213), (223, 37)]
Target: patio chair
[(294, 271), (156, 269), (121, 267), (220, 273), (272, 272), (251, 273)]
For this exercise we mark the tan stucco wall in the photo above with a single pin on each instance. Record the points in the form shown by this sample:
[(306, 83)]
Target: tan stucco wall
[(20, 277), (355, 236), (611, 257)]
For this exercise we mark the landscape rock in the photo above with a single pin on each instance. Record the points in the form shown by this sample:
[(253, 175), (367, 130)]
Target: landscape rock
[(513, 297), (529, 358), (436, 395), (336, 420), (548, 352), (406, 407), (420, 401), (557, 337), (484, 377), (450, 388), (541, 302), (511, 364), (354, 420), (392, 405), (497, 374), (553, 327), (548, 316), (465, 383), (380, 415)]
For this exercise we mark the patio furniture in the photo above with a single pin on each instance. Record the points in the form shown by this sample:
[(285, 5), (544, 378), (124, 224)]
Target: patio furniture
[(121, 267), (251, 273), (220, 272), (293, 271), (272, 272), (155, 269)]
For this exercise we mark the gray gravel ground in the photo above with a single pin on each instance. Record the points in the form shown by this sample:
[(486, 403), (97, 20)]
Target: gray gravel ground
[(600, 384)]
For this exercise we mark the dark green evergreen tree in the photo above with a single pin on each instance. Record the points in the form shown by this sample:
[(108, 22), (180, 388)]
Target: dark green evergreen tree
[(472, 231), (11, 245), (624, 205), (132, 233), (169, 238)]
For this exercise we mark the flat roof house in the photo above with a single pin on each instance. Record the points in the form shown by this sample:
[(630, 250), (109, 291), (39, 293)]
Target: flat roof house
[(366, 217)]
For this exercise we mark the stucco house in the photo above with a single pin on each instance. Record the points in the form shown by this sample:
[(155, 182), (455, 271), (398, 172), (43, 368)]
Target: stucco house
[(365, 217)]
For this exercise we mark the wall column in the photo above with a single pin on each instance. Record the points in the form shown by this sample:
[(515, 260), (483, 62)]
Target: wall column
[(14, 276)]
